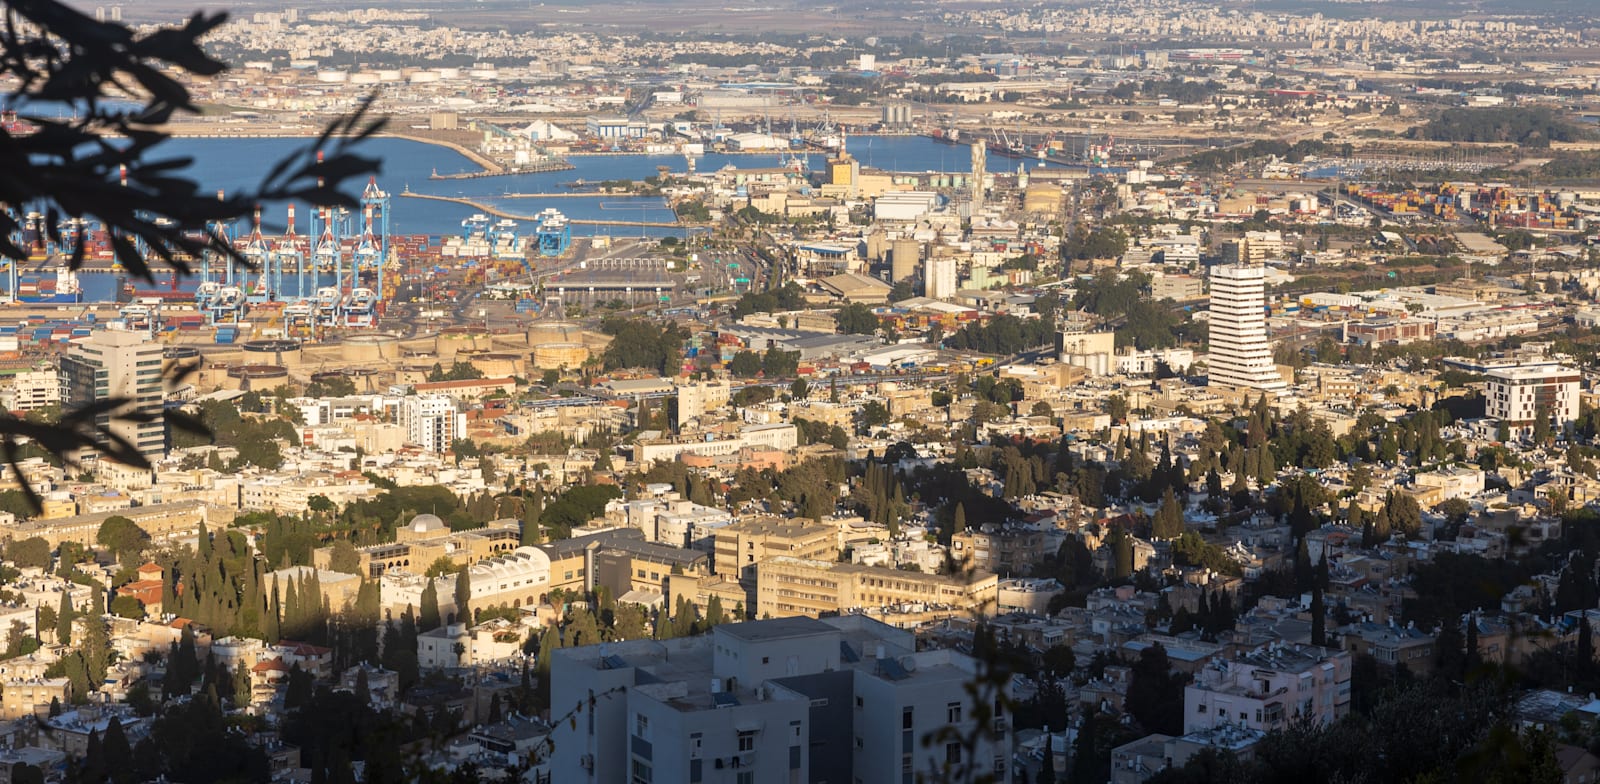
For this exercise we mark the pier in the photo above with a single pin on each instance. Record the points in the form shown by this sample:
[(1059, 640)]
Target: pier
[(538, 168), (499, 213)]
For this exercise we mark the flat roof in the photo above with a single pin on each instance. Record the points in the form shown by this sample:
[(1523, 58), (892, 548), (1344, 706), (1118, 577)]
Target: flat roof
[(776, 629)]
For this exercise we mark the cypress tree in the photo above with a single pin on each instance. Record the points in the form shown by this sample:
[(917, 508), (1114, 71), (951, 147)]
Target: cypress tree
[(532, 510), (429, 619), (271, 629), (1168, 521), (463, 596), (292, 623), (117, 753), (242, 696), (64, 620), (94, 764)]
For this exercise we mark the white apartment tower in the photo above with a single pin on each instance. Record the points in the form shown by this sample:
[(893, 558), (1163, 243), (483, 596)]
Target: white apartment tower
[(1241, 356), (1519, 395), (431, 421), (112, 364)]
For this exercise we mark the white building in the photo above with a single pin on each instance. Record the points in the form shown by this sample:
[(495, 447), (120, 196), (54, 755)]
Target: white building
[(1516, 395), (1268, 688), (489, 642), (114, 364), (1241, 356), (939, 277), (904, 205), (431, 421), (32, 389), (787, 699)]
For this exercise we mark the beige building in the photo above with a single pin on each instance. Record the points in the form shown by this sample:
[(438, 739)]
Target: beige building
[(161, 521), (22, 698), (998, 549), (742, 545), (112, 364), (695, 399), (292, 495), (427, 539), (622, 561), (796, 586)]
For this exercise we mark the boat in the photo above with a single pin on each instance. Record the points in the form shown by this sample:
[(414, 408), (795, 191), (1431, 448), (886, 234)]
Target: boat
[(63, 288)]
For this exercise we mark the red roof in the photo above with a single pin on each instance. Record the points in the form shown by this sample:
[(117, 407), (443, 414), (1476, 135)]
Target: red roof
[(274, 664)]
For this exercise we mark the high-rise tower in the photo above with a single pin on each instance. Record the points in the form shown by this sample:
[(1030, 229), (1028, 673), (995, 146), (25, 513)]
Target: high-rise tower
[(1241, 356), (114, 364)]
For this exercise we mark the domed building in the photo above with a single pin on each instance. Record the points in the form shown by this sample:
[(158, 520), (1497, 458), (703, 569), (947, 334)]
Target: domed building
[(423, 526)]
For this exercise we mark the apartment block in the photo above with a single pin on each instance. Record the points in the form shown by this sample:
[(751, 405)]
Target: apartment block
[(791, 700), (742, 545), (431, 421), (999, 549), (1268, 688), (1518, 395), (110, 365), (788, 586)]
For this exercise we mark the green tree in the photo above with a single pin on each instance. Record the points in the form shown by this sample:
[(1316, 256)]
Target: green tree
[(123, 538), (343, 557), (32, 552), (428, 620), (1168, 520), (127, 607), (856, 319), (463, 596), (745, 364)]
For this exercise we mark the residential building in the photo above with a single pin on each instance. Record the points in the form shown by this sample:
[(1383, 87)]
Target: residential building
[(1392, 646), (998, 548), (742, 545), (1240, 355), (431, 421), (698, 397), (427, 539), (1268, 688), (788, 586), (31, 390), (23, 698), (112, 364), (1517, 396), (779, 700), (1178, 288), (622, 561)]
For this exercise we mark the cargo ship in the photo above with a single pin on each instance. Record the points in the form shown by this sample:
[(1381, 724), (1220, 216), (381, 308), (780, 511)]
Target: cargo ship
[(62, 287)]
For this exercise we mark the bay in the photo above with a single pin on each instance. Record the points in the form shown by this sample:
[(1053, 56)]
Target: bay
[(234, 163)]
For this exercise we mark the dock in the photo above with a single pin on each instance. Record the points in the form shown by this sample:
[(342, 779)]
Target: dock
[(499, 213), (539, 168)]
